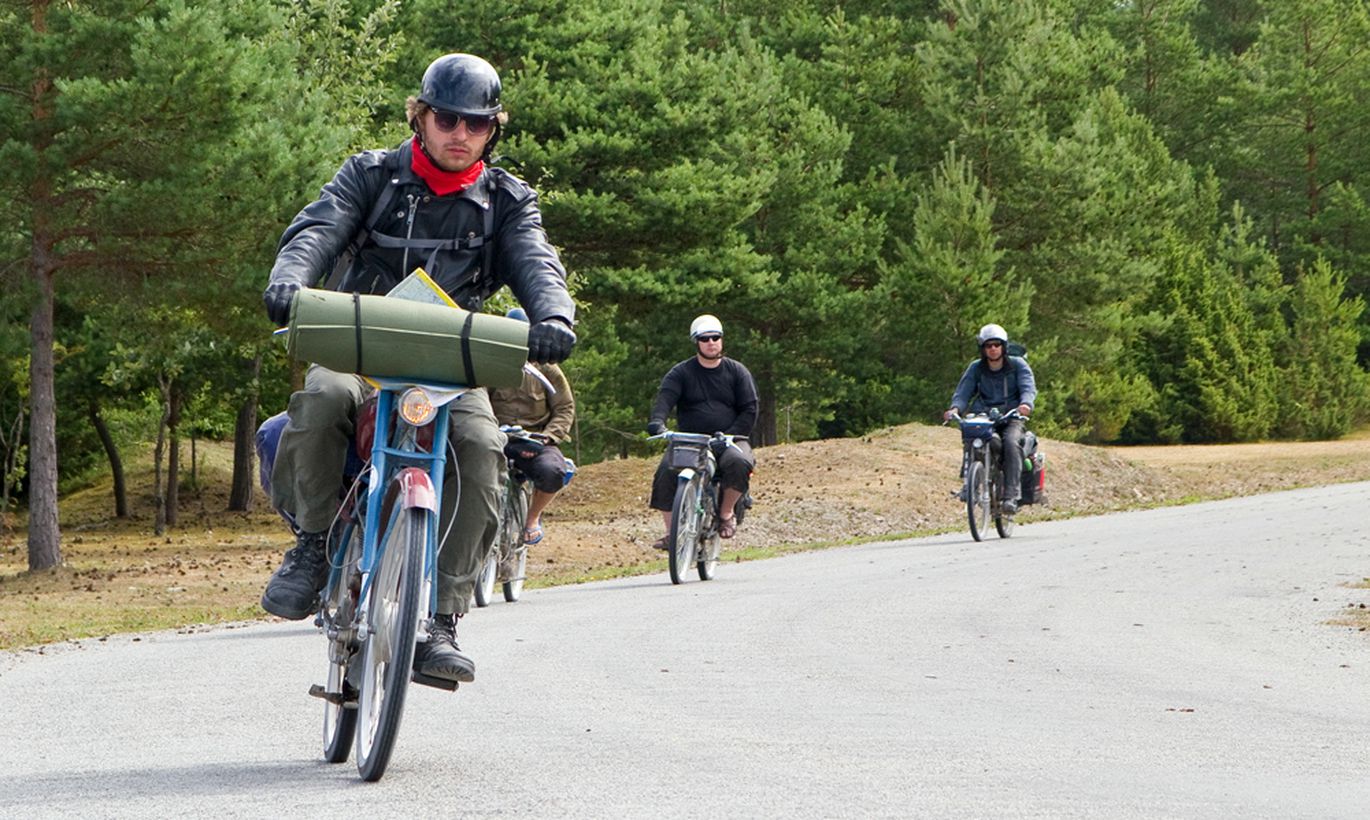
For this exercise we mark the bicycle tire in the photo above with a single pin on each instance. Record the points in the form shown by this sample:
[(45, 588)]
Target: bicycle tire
[(515, 562), (513, 588), (392, 609), (977, 500), (340, 714), (685, 514), (710, 544), (1003, 524), (485, 581)]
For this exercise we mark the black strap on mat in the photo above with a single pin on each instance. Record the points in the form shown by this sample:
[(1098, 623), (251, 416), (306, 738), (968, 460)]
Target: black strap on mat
[(357, 325), (466, 349)]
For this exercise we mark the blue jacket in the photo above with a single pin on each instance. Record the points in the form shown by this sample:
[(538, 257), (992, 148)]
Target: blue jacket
[(981, 388)]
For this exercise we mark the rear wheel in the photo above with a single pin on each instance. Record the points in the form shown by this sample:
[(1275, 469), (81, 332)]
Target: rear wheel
[(392, 617), (685, 518), (977, 500), (339, 610)]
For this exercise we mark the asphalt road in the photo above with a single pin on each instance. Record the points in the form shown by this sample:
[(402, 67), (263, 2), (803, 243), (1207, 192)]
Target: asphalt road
[(1169, 663)]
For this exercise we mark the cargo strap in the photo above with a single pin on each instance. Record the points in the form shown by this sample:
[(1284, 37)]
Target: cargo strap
[(466, 349), (357, 324)]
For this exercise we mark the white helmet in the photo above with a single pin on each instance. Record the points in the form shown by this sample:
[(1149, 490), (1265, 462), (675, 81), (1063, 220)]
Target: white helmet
[(704, 325), (990, 333)]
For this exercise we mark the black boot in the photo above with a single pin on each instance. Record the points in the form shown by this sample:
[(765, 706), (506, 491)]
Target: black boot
[(293, 591), (439, 656)]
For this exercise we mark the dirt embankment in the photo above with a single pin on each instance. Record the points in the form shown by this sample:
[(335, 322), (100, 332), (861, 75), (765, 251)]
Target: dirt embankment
[(899, 480), (893, 482)]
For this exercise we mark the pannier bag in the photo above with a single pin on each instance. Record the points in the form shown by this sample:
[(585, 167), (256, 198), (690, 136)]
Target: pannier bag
[(403, 339), (268, 443), (1034, 488), (684, 455)]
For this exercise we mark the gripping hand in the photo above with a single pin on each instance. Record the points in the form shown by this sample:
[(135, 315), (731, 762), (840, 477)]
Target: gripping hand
[(278, 297), (655, 428), (550, 341)]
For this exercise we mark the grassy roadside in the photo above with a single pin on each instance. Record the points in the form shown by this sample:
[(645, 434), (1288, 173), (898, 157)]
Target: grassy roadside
[(894, 483)]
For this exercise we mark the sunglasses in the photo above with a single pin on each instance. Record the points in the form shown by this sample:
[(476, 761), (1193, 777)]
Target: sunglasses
[(713, 338), (446, 121), (994, 344)]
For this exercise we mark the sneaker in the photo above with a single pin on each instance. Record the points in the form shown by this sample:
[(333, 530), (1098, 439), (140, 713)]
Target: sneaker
[(1008, 507), (439, 656), (293, 591), (960, 494)]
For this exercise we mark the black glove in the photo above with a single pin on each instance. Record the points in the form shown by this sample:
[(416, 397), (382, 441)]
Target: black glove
[(655, 428), (278, 296), (550, 341)]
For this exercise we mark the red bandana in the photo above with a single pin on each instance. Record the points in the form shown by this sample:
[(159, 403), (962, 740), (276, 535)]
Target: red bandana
[(443, 182)]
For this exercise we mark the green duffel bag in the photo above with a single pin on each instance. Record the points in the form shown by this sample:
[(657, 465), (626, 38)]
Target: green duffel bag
[(402, 339)]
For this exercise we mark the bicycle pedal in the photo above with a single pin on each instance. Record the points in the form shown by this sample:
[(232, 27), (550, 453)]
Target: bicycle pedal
[(436, 683), (317, 691)]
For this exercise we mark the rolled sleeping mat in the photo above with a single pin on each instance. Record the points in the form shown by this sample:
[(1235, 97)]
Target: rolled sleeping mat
[(403, 339)]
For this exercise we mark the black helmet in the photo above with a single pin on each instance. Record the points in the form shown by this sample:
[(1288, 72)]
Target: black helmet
[(462, 84)]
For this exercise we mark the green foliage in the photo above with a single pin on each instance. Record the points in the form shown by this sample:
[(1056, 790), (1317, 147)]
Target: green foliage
[(853, 188), (1324, 391), (1214, 370)]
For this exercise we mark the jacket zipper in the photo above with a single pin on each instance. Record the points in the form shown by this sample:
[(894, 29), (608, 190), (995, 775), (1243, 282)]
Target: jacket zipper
[(408, 233)]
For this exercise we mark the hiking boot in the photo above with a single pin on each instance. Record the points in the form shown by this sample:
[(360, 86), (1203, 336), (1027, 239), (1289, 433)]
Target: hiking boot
[(1008, 507), (293, 591), (439, 656)]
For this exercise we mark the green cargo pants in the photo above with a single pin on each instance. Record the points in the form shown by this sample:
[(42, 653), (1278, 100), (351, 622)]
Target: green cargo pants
[(313, 452)]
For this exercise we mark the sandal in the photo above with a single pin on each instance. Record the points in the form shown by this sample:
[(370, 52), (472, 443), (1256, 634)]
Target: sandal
[(661, 543), (727, 527), (532, 536)]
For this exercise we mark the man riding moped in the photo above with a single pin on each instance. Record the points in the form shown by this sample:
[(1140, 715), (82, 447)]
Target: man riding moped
[(434, 203), (1001, 382), (710, 393)]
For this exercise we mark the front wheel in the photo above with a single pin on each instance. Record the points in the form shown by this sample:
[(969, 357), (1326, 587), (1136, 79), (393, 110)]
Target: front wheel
[(485, 582), (977, 500), (1004, 524), (686, 513), (710, 544), (518, 570), (393, 617), (514, 562)]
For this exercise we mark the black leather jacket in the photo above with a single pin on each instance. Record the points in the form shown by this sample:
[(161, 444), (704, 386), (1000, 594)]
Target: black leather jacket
[(519, 254)]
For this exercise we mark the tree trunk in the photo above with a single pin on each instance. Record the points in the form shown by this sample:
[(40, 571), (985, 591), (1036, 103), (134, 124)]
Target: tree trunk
[(45, 534), (173, 462), (244, 454), (13, 452), (763, 435), (116, 465), (158, 492)]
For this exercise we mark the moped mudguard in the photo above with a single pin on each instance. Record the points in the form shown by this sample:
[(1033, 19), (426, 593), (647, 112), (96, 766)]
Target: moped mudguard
[(416, 490)]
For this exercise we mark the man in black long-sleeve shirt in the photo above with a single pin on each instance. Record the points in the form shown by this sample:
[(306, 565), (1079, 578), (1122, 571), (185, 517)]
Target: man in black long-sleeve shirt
[(710, 394)]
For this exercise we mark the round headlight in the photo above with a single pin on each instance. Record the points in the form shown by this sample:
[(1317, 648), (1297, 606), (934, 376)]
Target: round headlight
[(416, 407)]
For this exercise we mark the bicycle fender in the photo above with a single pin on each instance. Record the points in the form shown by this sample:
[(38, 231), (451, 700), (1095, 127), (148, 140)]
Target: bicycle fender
[(686, 473), (416, 489)]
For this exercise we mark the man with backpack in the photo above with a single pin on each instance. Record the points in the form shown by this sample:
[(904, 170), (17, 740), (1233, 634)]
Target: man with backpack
[(999, 381), (434, 203)]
